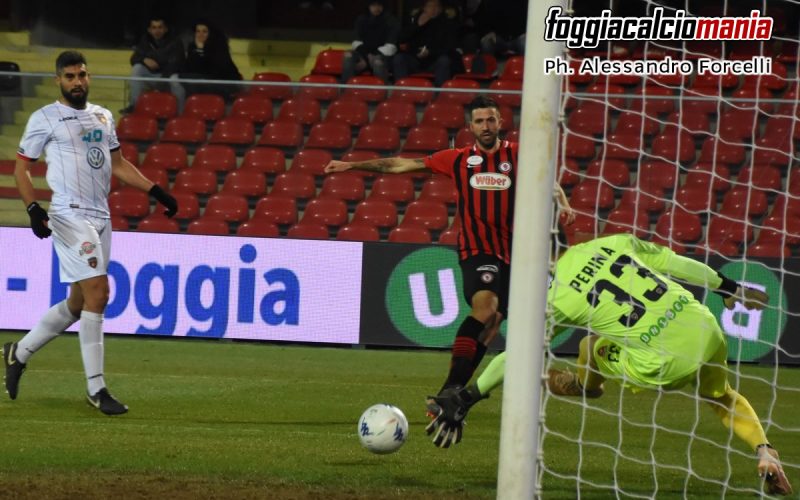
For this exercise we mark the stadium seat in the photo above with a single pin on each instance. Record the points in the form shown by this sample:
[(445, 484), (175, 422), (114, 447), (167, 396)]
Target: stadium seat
[(258, 228), (763, 95), (654, 100), (399, 94), (130, 152), (427, 213), (365, 94), (157, 175), (444, 114), (208, 226), (325, 211), (129, 202), (197, 181), (274, 91), (773, 150), (628, 220), (722, 229), (233, 131), (345, 186), (158, 223), (592, 194), (568, 174), (785, 227), (329, 62), (297, 185), (207, 107), (276, 209), (327, 93), (483, 70), (439, 188), (696, 124), (672, 146), (397, 188), (622, 146), (159, 105), (360, 155), (695, 198), (352, 112), (589, 119), (458, 95), (606, 93), (119, 223), (215, 157), (185, 130), (282, 134), (409, 234), (736, 125), (329, 135), (463, 138), (376, 212), (227, 206), (726, 248), (702, 100), (305, 111), (775, 81), (137, 128), (188, 204), (395, 113), (514, 68), (619, 79), (245, 183), (680, 226), (782, 126), (253, 107), (264, 159), (762, 177), (357, 231), (166, 156), (657, 175), (715, 82), (652, 201), (449, 237), (614, 172), (768, 249), (576, 146), (511, 99), (311, 161), (715, 150), (308, 231), (703, 174), (585, 227), (426, 138), (378, 136), (744, 201)]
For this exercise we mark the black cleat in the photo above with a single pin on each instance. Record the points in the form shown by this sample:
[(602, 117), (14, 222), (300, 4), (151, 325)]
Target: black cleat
[(14, 369), (106, 403)]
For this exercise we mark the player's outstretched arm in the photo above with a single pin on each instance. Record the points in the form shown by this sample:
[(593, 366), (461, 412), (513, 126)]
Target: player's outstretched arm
[(129, 174), (394, 165)]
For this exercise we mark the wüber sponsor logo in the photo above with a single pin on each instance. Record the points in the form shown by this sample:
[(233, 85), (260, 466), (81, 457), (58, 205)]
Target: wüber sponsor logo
[(490, 181)]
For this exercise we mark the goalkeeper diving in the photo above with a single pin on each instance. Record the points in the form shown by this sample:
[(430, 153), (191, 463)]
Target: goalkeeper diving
[(646, 331)]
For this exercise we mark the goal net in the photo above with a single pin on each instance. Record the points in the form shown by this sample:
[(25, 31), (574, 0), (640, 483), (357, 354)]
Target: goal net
[(707, 165)]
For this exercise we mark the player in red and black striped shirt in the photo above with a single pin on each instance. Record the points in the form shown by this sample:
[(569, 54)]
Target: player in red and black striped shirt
[(484, 176)]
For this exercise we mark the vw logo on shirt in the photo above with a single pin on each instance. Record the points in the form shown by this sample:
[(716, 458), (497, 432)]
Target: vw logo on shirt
[(95, 157)]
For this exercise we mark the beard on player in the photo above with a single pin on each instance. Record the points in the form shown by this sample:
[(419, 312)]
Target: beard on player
[(76, 96)]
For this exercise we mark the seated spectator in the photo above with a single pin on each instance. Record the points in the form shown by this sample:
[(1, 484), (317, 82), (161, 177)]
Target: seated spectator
[(428, 44), (208, 57), (500, 24), (158, 54), (374, 45)]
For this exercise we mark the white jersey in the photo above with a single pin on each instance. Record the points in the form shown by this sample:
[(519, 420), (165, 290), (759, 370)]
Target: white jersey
[(78, 145)]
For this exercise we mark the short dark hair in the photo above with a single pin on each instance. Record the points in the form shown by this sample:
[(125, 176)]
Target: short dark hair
[(68, 58), (481, 102)]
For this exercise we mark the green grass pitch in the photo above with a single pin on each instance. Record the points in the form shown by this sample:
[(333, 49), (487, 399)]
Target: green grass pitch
[(214, 419)]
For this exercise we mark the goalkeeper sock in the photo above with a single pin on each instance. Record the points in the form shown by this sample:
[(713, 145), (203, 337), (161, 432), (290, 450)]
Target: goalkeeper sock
[(57, 319), (480, 352), (493, 375), (737, 412), (91, 337), (464, 348)]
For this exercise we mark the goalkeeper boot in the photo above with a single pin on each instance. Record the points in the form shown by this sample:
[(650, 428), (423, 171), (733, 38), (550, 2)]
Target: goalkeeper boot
[(566, 383), (14, 369), (770, 470), (106, 403)]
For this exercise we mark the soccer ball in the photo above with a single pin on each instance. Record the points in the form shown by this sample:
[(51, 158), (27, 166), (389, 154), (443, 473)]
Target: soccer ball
[(382, 428)]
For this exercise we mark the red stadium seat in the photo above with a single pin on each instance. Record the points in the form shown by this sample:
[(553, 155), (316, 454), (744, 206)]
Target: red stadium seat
[(393, 187), (327, 93), (264, 159), (140, 128), (216, 157), (725, 248), (632, 220), (702, 174), (399, 94), (696, 198), (207, 107), (166, 156), (773, 150), (649, 201), (426, 138), (721, 151), (208, 226), (444, 114), (584, 228), (722, 229), (184, 129), (329, 62), (297, 185), (785, 227), (623, 146), (589, 119), (512, 135), (654, 100), (325, 211), (744, 201), (449, 237), (592, 194), (568, 173), (360, 155), (245, 183), (378, 136), (233, 131), (614, 172), (159, 105), (680, 226), (464, 138), (702, 100), (351, 112), (197, 181), (345, 186), (276, 209), (188, 204), (514, 68), (761, 177), (605, 93), (736, 125), (158, 223), (157, 175), (657, 175), (409, 234), (258, 228), (329, 135), (715, 82), (119, 223), (485, 73), (129, 202), (227, 206), (376, 212), (762, 94), (274, 91), (511, 99), (426, 213), (672, 145), (282, 134), (253, 107), (356, 231), (311, 161), (458, 96), (439, 188), (308, 231), (397, 114), (577, 146), (694, 123), (775, 81), (130, 152), (365, 94), (769, 249), (306, 111)]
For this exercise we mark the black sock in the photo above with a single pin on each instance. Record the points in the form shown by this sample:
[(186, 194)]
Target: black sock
[(480, 352), (465, 348)]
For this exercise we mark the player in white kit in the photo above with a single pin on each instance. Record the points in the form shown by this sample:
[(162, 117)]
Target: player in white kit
[(82, 153)]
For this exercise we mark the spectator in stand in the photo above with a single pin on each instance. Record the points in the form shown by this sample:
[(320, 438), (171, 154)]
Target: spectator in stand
[(429, 43), (374, 45), (158, 54), (208, 57), (501, 26)]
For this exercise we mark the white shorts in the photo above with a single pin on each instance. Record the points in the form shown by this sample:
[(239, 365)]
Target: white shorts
[(83, 245)]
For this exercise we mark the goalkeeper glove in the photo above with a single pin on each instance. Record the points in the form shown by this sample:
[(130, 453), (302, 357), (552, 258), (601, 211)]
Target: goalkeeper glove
[(454, 403), (750, 298), (38, 217), (165, 199)]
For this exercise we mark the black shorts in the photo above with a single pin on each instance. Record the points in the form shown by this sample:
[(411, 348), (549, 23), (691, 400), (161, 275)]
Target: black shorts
[(486, 272)]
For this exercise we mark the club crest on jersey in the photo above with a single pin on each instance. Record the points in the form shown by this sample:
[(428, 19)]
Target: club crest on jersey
[(95, 157), (474, 161), (504, 167), (92, 262), (102, 118), (87, 247), (490, 181)]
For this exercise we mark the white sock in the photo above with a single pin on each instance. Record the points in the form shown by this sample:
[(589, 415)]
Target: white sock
[(57, 319), (91, 337)]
